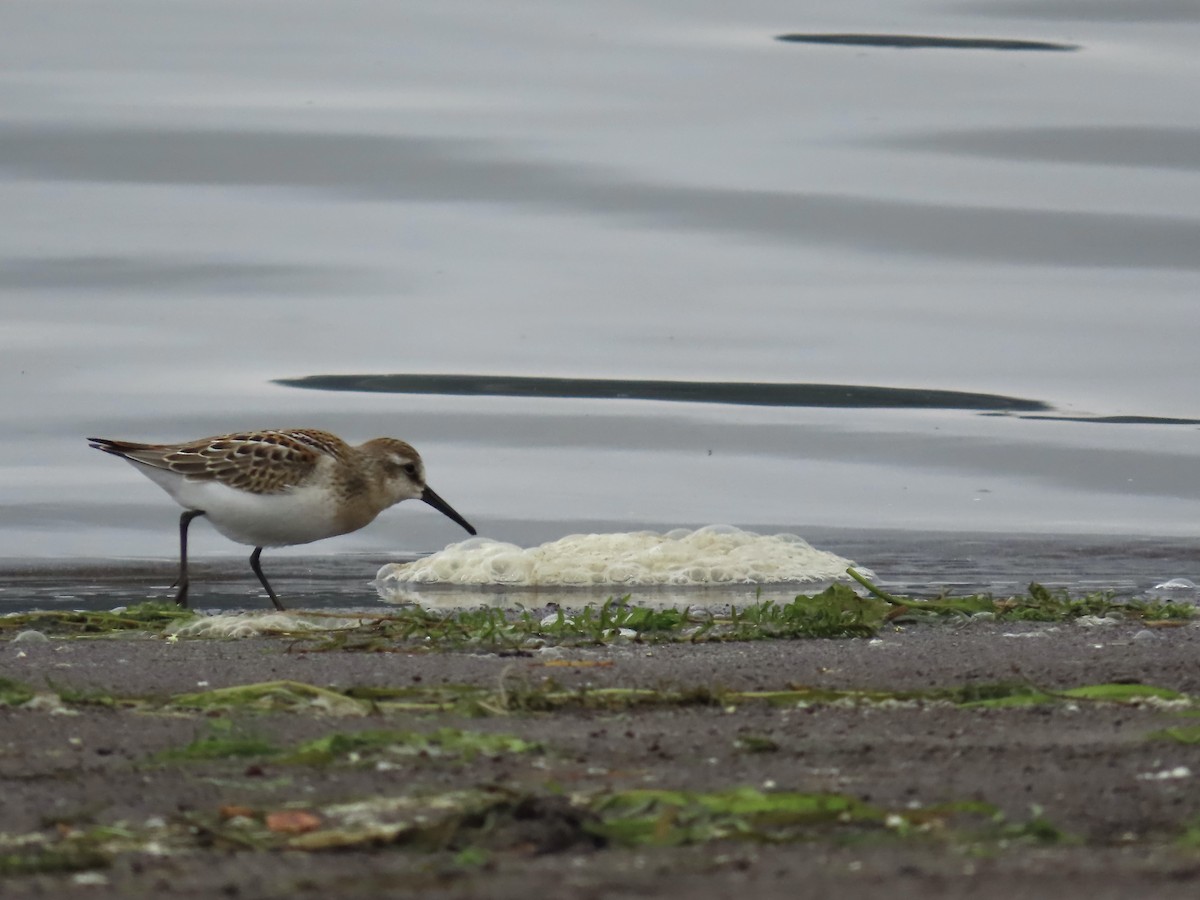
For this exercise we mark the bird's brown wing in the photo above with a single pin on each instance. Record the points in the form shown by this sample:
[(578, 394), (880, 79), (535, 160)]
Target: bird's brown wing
[(259, 462)]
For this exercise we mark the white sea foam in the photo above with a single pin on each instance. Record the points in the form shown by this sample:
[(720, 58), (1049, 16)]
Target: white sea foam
[(712, 556), (244, 625)]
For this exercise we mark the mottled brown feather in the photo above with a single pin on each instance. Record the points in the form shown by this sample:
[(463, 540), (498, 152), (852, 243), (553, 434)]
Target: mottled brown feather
[(237, 460)]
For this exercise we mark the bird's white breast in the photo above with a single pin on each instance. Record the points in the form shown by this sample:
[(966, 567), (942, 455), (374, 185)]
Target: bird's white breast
[(296, 516)]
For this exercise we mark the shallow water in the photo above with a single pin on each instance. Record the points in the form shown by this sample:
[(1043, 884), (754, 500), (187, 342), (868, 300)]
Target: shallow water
[(214, 212), (923, 564)]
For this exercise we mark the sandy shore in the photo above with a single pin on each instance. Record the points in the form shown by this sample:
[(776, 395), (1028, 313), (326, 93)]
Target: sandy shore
[(1092, 804)]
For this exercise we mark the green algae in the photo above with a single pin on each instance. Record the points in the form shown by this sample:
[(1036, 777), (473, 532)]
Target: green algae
[(150, 617), (836, 612), (273, 696), (1180, 734), (1038, 604), (223, 741), (1190, 839), (475, 823), (1028, 695), (839, 611), (14, 693), (443, 743), (522, 696), (66, 857), (672, 818)]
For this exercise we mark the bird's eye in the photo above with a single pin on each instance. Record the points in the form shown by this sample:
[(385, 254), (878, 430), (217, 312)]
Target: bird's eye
[(411, 469)]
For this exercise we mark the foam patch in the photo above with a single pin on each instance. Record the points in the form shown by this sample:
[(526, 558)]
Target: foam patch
[(712, 556), (246, 625)]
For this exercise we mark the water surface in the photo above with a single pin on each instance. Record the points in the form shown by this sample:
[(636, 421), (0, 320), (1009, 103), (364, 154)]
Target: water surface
[(209, 205)]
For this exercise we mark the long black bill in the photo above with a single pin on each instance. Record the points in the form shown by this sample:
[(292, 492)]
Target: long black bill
[(445, 508)]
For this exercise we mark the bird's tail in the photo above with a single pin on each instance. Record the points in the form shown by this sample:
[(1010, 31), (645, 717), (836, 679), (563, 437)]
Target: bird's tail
[(116, 448), (125, 449)]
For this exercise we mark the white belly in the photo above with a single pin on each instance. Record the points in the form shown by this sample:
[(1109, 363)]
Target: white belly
[(297, 516)]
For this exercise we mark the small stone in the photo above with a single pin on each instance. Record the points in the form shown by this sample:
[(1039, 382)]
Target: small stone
[(49, 702), (90, 878), (1176, 584), (292, 821)]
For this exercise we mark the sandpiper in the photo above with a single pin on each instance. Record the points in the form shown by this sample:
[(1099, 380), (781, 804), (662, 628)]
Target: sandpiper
[(278, 488)]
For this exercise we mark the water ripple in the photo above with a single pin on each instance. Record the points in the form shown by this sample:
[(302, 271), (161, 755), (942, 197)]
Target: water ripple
[(388, 169)]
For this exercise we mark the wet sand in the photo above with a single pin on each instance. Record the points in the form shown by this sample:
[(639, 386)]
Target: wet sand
[(1089, 766)]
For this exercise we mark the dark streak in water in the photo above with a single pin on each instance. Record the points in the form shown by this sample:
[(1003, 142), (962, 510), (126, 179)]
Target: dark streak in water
[(911, 41), (1118, 420), (392, 169), (732, 392), (1173, 147), (113, 274), (1138, 12)]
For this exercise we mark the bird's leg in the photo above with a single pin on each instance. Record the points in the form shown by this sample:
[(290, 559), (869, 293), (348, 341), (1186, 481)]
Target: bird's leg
[(263, 578), (184, 521)]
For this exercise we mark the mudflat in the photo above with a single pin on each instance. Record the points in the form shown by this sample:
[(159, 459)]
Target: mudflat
[(982, 759)]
